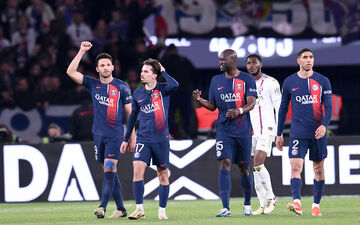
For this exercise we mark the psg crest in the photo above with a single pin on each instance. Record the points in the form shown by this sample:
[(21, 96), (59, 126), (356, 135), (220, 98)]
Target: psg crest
[(156, 95), (315, 87), (238, 86), (113, 92)]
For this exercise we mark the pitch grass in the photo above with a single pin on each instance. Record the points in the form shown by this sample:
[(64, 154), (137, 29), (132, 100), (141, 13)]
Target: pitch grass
[(335, 210)]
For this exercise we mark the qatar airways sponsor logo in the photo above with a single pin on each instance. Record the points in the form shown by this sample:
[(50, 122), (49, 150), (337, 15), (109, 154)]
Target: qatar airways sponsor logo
[(149, 108), (230, 97), (307, 99), (104, 100)]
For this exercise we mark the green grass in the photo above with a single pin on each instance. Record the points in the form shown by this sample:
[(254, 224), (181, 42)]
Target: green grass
[(335, 210)]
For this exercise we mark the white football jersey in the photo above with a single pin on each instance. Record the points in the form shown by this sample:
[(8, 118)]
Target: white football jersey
[(263, 117)]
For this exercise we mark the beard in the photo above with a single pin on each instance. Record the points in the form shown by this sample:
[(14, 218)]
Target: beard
[(105, 75)]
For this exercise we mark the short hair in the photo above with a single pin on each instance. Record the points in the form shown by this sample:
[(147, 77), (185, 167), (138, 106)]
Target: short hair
[(103, 56), (255, 56), (54, 126), (303, 50), (155, 65)]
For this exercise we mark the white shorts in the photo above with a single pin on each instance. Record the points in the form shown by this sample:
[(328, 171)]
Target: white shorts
[(263, 142)]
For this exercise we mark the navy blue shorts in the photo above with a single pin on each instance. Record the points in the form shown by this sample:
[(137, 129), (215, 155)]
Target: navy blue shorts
[(298, 148), (236, 149), (107, 148), (158, 152)]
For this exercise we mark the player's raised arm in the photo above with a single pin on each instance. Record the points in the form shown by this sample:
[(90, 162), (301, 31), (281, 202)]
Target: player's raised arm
[(72, 68), (172, 84), (206, 103)]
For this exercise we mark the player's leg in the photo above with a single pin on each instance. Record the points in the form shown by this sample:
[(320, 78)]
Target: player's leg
[(319, 182), (261, 174), (163, 175), (318, 153), (108, 165), (224, 156), (141, 159), (259, 188), (161, 160), (242, 158), (297, 151), (112, 152)]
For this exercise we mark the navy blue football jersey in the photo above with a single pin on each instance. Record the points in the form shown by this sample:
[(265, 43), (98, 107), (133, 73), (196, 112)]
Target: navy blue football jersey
[(307, 96)]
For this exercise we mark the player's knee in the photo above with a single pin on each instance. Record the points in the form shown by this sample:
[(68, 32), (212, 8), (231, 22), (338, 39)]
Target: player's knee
[(109, 166), (319, 170), (244, 170), (225, 164), (164, 179)]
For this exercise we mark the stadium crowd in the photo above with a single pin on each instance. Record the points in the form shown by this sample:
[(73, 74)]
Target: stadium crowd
[(39, 38)]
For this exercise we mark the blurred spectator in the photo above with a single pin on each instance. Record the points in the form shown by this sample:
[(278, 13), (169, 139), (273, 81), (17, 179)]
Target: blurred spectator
[(6, 99), (43, 92), (79, 31), (24, 38), (7, 79), (99, 37), (180, 104), (8, 15), (24, 97), (56, 94), (7, 137), (4, 43), (119, 24), (67, 10), (132, 78), (81, 121), (55, 134), (142, 52), (136, 16), (40, 15)]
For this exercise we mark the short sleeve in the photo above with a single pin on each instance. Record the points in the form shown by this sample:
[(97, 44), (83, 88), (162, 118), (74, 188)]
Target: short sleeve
[(87, 81)]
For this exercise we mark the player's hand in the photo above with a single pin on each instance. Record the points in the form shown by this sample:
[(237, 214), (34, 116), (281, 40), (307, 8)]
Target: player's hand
[(197, 94), (279, 142), (123, 147), (320, 132), (132, 143), (162, 69), (85, 46), (232, 113)]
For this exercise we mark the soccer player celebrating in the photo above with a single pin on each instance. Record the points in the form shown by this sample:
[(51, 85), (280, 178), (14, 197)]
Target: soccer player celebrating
[(109, 96), (264, 127), (234, 93), (151, 105), (308, 91)]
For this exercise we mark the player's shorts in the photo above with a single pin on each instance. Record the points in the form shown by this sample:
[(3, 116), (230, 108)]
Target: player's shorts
[(107, 148), (298, 148), (158, 152), (263, 143), (238, 150)]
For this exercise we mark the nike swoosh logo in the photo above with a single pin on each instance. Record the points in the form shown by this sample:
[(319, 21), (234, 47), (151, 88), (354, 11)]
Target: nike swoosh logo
[(97, 87), (162, 165), (294, 89), (140, 100), (219, 88), (111, 155)]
